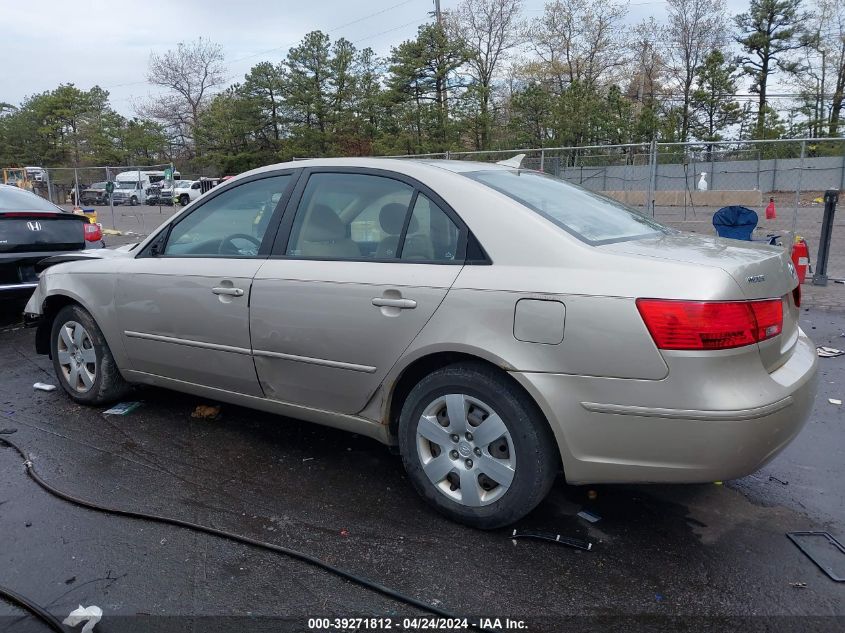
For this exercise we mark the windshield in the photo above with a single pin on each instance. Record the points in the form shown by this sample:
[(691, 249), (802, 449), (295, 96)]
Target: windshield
[(14, 199), (126, 185), (183, 183), (98, 185), (588, 216)]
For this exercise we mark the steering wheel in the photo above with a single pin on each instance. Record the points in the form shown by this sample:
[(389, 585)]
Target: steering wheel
[(229, 241)]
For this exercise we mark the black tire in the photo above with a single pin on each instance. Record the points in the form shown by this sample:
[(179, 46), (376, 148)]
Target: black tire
[(133, 201), (108, 385), (184, 199), (536, 453)]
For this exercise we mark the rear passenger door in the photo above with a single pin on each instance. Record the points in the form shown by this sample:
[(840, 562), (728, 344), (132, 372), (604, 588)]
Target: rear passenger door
[(362, 261)]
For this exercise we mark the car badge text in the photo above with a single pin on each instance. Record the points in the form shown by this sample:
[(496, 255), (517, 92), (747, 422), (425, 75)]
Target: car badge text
[(755, 279)]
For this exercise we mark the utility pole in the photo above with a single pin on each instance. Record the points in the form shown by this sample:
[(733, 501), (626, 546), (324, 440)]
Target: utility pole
[(442, 87)]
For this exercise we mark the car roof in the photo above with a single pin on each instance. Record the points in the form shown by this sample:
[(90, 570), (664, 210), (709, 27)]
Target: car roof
[(463, 166), (402, 165)]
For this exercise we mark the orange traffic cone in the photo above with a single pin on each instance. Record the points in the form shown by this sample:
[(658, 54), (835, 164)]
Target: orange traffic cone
[(771, 214)]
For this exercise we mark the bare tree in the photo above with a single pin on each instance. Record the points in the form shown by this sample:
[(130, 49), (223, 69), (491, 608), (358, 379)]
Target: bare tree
[(694, 29), (577, 40), (824, 67), (189, 74), (648, 66), (489, 28)]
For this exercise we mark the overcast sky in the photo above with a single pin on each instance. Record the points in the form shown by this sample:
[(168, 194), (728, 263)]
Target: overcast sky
[(108, 43)]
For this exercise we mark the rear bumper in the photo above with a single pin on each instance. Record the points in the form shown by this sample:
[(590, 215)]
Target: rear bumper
[(614, 431), (19, 271)]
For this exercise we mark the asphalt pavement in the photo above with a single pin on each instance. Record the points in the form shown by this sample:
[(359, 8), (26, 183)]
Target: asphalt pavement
[(692, 557)]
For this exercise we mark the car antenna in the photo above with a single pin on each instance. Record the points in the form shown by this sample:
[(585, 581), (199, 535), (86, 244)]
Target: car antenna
[(515, 162)]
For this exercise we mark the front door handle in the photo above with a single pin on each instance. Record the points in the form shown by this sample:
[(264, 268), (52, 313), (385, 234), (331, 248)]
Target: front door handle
[(402, 304), (232, 292)]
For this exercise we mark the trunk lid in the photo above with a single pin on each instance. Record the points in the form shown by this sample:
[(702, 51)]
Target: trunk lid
[(761, 271), (34, 231)]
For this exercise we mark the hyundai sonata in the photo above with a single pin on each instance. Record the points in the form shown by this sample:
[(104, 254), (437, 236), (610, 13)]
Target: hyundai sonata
[(496, 324)]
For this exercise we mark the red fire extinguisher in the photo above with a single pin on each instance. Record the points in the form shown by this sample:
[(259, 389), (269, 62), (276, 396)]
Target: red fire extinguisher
[(800, 257), (771, 214)]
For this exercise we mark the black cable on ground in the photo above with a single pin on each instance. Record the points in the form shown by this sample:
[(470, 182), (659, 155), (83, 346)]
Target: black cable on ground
[(306, 558), (40, 612)]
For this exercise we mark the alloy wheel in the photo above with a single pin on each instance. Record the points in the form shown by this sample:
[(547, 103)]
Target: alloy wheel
[(77, 357), (466, 450)]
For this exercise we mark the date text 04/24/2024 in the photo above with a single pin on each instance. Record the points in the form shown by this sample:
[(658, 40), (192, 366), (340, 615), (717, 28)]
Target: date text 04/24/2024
[(415, 624)]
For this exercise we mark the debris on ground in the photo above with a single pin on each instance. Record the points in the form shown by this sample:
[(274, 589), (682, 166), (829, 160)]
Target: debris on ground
[(206, 412), (798, 585), (780, 481), (552, 538), (824, 550), (829, 352), (589, 516), (834, 401), (89, 615), (307, 459), (344, 532), (43, 386), (122, 409), (592, 495)]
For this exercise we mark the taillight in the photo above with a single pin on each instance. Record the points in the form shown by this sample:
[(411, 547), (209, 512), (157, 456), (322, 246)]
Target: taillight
[(93, 232), (796, 296), (705, 325)]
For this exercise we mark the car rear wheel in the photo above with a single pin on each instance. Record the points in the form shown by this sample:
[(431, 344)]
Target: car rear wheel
[(475, 446), (133, 201), (82, 359)]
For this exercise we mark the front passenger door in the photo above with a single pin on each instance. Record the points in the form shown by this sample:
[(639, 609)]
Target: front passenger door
[(183, 303)]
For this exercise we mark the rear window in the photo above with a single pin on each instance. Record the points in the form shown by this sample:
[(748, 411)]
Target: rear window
[(588, 216), (16, 199)]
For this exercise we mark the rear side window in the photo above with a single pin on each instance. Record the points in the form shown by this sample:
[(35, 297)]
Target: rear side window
[(586, 215), (16, 199), (350, 216)]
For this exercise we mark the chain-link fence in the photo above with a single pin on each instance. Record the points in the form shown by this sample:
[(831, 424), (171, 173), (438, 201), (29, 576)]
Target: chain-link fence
[(681, 184), (684, 184), (132, 190)]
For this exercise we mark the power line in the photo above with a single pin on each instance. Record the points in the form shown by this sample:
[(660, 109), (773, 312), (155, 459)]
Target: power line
[(337, 28), (395, 28), (366, 17)]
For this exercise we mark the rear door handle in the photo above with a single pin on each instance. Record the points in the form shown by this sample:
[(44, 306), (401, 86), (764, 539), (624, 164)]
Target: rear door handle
[(402, 304), (232, 292)]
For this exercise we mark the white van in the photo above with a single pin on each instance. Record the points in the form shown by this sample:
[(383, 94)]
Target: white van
[(133, 186), (130, 187), (37, 174)]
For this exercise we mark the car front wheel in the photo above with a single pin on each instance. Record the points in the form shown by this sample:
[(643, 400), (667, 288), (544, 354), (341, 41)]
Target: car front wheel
[(82, 359), (184, 199), (475, 446)]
